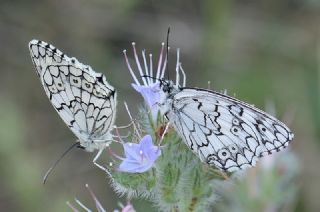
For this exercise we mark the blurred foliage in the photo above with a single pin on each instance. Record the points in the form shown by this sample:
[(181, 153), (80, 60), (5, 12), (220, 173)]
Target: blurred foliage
[(271, 186), (256, 49)]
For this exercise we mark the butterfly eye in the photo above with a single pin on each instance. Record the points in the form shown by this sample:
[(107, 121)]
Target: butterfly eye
[(223, 154), (165, 88)]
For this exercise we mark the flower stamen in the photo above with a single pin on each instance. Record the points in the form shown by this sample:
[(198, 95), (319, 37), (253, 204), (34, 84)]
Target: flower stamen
[(151, 68), (146, 66), (160, 62), (138, 62), (130, 69)]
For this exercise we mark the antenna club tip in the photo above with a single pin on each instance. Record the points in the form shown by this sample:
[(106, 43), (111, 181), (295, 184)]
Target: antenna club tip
[(150, 55), (87, 186), (124, 51), (133, 43), (162, 44)]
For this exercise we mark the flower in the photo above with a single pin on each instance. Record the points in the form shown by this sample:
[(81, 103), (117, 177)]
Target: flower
[(149, 85), (150, 94), (139, 157)]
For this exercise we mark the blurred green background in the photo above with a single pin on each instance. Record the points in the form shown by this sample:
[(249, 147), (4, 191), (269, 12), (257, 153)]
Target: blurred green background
[(260, 50)]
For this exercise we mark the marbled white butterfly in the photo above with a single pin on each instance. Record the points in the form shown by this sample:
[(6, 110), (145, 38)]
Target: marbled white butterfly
[(222, 131), (85, 101)]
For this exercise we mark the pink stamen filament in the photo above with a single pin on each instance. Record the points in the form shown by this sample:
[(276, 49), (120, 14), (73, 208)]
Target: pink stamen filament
[(151, 68), (98, 204), (72, 207), (164, 65), (146, 67), (130, 69), (160, 61), (130, 116), (138, 62), (114, 154)]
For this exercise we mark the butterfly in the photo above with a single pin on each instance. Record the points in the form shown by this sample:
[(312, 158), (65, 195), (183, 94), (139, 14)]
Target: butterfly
[(221, 130), (83, 98)]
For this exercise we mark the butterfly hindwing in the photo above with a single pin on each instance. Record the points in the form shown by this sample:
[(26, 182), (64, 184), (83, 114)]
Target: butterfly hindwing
[(83, 98), (225, 132)]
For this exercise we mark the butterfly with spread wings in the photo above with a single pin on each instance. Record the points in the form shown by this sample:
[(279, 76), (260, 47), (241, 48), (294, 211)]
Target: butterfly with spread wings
[(223, 131), (83, 98)]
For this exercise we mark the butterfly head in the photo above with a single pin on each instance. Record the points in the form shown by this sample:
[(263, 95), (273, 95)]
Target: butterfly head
[(168, 87)]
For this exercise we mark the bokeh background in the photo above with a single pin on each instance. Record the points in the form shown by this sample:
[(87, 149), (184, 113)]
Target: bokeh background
[(260, 50)]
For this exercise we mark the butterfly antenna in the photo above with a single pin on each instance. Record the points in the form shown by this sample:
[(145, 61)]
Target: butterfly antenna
[(167, 55), (158, 79), (57, 161)]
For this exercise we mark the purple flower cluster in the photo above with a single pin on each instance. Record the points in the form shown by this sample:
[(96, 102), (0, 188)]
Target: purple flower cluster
[(148, 85), (141, 157)]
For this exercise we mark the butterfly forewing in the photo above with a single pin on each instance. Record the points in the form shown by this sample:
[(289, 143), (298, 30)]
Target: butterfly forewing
[(223, 131), (83, 98)]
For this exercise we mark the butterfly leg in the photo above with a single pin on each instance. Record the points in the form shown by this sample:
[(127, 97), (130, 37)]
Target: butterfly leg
[(164, 133), (135, 128), (98, 165)]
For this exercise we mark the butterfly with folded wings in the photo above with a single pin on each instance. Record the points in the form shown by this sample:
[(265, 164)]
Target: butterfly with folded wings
[(83, 98)]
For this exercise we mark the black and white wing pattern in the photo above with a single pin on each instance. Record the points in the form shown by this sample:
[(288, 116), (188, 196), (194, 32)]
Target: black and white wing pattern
[(85, 101), (224, 132)]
